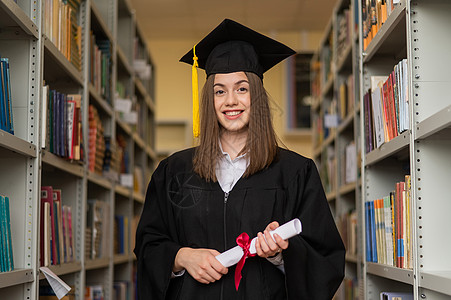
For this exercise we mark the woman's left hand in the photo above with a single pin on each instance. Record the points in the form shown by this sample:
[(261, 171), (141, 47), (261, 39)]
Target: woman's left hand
[(266, 246)]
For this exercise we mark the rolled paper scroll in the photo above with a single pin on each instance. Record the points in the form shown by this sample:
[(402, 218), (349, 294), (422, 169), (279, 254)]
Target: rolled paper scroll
[(233, 255)]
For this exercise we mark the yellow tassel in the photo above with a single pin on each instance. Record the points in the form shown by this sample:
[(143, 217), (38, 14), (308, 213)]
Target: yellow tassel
[(195, 95)]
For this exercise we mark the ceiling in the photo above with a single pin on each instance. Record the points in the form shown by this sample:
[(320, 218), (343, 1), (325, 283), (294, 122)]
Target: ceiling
[(175, 19)]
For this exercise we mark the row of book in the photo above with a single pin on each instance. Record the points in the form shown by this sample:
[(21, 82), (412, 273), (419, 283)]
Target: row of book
[(386, 107), (347, 168), (96, 141), (345, 96), (120, 290), (328, 169), (396, 296), (100, 66), (62, 132), (6, 109), (97, 229), (374, 14), (388, 227), (349, 164), (348, 290), (56, 229), (94, 292), (327, 59), (6, 245), (344, 23), (347, 225), (62, 29)]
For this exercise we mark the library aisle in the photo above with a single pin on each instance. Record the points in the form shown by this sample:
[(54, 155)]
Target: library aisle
[(76, 146)]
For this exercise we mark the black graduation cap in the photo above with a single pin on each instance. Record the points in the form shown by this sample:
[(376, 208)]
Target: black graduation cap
[(232, 47)]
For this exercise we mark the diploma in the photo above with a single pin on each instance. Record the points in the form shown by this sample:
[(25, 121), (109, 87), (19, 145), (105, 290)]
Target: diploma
[(286, 231)]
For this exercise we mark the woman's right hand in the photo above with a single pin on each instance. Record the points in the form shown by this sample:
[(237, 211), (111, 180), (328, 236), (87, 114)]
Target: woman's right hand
[(201, 264)]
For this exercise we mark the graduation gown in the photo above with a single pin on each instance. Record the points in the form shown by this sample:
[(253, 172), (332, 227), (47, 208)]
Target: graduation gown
[(183, 210)]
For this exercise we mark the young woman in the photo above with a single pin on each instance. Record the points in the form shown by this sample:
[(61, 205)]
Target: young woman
[(237, 180)]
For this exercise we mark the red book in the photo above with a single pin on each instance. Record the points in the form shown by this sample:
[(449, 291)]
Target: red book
[(387, 126), (47, 196), (391, 102)]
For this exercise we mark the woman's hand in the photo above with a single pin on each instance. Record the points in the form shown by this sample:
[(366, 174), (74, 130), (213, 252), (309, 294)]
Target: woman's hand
[(266, 246), (201, 264)]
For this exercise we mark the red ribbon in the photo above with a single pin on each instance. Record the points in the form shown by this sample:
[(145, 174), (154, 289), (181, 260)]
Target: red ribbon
[(243, 241)]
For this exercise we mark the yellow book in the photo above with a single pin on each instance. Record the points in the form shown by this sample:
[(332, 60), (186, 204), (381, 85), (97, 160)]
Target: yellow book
[(408, 207)]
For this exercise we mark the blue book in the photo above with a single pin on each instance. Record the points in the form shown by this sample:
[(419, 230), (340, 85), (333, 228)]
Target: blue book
[(373, 233), (2, 242), (368, 232), (120, 233), (8, 97), (2, 100), (9, 239)]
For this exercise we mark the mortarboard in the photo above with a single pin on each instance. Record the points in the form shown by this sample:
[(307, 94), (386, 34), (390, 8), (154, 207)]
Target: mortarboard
[(232, 47)]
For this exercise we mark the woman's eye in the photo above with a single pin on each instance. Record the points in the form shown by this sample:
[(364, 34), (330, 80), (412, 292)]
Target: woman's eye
[(242, 90), (219, 92)]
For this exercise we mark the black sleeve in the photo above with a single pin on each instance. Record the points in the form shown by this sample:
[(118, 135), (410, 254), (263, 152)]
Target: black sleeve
[(314, 261), (156, 240)]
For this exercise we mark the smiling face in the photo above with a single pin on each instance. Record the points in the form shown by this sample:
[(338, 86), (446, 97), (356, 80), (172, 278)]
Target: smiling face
[(232, 101)]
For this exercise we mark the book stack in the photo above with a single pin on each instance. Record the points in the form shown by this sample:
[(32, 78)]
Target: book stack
[(344, 32), (62, 29), (57, 237), (96, 142), (6, 245), (100, 66), (374, 14), (62, 132), (6, 108), (98, 223), (386, 107), (388, 228)]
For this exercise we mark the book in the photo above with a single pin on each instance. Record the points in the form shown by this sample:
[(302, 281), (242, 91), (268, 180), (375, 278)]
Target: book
[(57, 199), (6, 246), (396, 296), (47, 196)]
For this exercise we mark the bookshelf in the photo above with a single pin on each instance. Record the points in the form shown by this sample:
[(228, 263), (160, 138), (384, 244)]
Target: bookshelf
[(415, 30), (108, 59), (336, 132)]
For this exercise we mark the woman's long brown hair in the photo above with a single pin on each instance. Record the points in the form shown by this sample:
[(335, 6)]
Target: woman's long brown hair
[(261, 144)]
